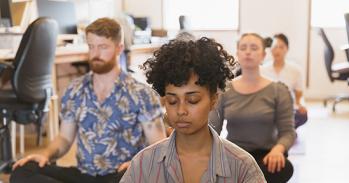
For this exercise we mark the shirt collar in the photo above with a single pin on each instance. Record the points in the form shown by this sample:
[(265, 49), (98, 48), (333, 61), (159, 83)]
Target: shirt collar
[(121, 80), (218, 160), (170, 149)]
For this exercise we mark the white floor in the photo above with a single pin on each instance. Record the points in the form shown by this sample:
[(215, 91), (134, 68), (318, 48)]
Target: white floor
[(321, 153)]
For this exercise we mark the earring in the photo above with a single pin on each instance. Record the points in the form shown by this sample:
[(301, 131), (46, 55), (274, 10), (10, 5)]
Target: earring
[(165, 119)]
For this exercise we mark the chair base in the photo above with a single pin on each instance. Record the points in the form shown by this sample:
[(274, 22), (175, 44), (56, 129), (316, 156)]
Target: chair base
[(6, 167), (6, 159), (336, 99)]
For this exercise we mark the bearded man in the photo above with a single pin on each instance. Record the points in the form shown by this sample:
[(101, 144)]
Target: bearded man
[(112, 115)]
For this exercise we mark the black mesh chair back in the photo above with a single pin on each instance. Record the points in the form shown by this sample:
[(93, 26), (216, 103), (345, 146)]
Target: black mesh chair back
[(28, 99), (34, 60), (328, 54)]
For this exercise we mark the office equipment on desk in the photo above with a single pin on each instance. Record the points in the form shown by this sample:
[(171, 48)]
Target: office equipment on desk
[(338, 71), (62, 11), (5, 13), (142, 34), (65, 14), (184, 22)]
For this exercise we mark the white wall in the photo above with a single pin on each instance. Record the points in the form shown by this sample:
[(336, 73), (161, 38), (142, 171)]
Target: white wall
[(279, 16), (146, 8), (89, 10), (267, 18)]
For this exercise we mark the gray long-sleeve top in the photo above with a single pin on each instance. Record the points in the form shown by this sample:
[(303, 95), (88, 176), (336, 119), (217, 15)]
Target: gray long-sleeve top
[(257, 120)]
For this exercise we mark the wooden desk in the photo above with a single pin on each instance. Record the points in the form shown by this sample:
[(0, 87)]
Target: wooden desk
[(71, 54), (63, 55), (144, 48)]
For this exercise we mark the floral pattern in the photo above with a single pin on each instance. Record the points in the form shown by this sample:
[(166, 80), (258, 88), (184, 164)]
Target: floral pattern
[(109, 133)]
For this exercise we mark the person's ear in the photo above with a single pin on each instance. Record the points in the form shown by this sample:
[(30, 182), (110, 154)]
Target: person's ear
[(119, 48)]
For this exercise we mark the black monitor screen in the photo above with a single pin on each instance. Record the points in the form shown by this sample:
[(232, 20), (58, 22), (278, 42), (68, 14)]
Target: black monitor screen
[(5, 13), (141, 22), (62, 11)]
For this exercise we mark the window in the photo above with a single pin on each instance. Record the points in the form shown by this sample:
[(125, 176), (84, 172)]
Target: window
[(328, 13), (202, 14)]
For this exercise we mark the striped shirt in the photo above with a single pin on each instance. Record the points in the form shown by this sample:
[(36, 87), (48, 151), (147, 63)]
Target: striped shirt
[(160, 163)]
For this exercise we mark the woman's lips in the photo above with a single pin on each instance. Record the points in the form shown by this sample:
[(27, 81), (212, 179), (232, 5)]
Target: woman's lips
[(182, 124)]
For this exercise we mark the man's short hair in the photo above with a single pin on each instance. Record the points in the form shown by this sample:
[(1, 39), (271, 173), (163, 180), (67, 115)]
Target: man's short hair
[(106, 27)]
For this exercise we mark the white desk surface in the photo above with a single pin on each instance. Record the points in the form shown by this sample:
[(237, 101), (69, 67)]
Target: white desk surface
[(6, 54)]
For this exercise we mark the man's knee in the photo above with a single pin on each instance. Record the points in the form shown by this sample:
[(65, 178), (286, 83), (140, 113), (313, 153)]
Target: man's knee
[(20, 173)]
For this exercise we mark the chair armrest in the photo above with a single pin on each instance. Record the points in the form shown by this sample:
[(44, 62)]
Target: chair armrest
[(345, 47), (342, 67), (4, 65)]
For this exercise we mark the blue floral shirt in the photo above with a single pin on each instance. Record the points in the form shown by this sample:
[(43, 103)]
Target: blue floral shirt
[(109, 133)]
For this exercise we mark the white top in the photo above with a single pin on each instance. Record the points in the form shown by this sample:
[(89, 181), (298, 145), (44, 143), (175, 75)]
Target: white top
[(290, 74)]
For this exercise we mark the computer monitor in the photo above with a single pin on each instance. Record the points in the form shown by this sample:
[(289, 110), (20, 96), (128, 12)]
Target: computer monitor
[(141, 22), (5, 13), (62, 11)]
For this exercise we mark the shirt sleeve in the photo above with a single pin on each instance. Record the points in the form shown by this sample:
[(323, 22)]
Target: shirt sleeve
[(299, 80), (252, 173), (68, 106), (135, 172), (284, 116), (216, 116), (149, 106), (130, 174)]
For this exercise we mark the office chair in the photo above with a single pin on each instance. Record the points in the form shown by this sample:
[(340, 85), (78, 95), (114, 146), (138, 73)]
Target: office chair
[(183, 22), (338, 71), (28, 99)]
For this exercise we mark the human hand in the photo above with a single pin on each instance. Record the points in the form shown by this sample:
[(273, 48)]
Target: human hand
[(302, 109), (275, 159), (124, 166), (42, 160)]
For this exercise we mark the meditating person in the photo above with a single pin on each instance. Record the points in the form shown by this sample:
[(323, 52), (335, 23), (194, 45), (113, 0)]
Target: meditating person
[(188, 74), (111, 115), (259, 113), (280, 69)]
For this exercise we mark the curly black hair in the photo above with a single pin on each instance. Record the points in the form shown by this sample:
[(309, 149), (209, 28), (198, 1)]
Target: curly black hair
[(175, 61)]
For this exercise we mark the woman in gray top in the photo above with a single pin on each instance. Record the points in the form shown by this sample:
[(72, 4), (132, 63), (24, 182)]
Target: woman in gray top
[(259, 113)]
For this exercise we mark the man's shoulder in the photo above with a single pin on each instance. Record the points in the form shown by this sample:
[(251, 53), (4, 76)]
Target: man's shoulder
[(137, 87), (77, 84)]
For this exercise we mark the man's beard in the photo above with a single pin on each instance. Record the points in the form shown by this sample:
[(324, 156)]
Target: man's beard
[(100, 66)]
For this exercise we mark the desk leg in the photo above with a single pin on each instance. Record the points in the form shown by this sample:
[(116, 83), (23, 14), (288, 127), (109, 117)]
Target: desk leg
[(53, 122), (13, 139), (53, 113), (56, 116), (21, 139)]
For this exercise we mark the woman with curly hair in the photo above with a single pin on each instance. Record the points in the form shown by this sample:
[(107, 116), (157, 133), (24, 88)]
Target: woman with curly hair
[(259, 113), (188, 75)]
